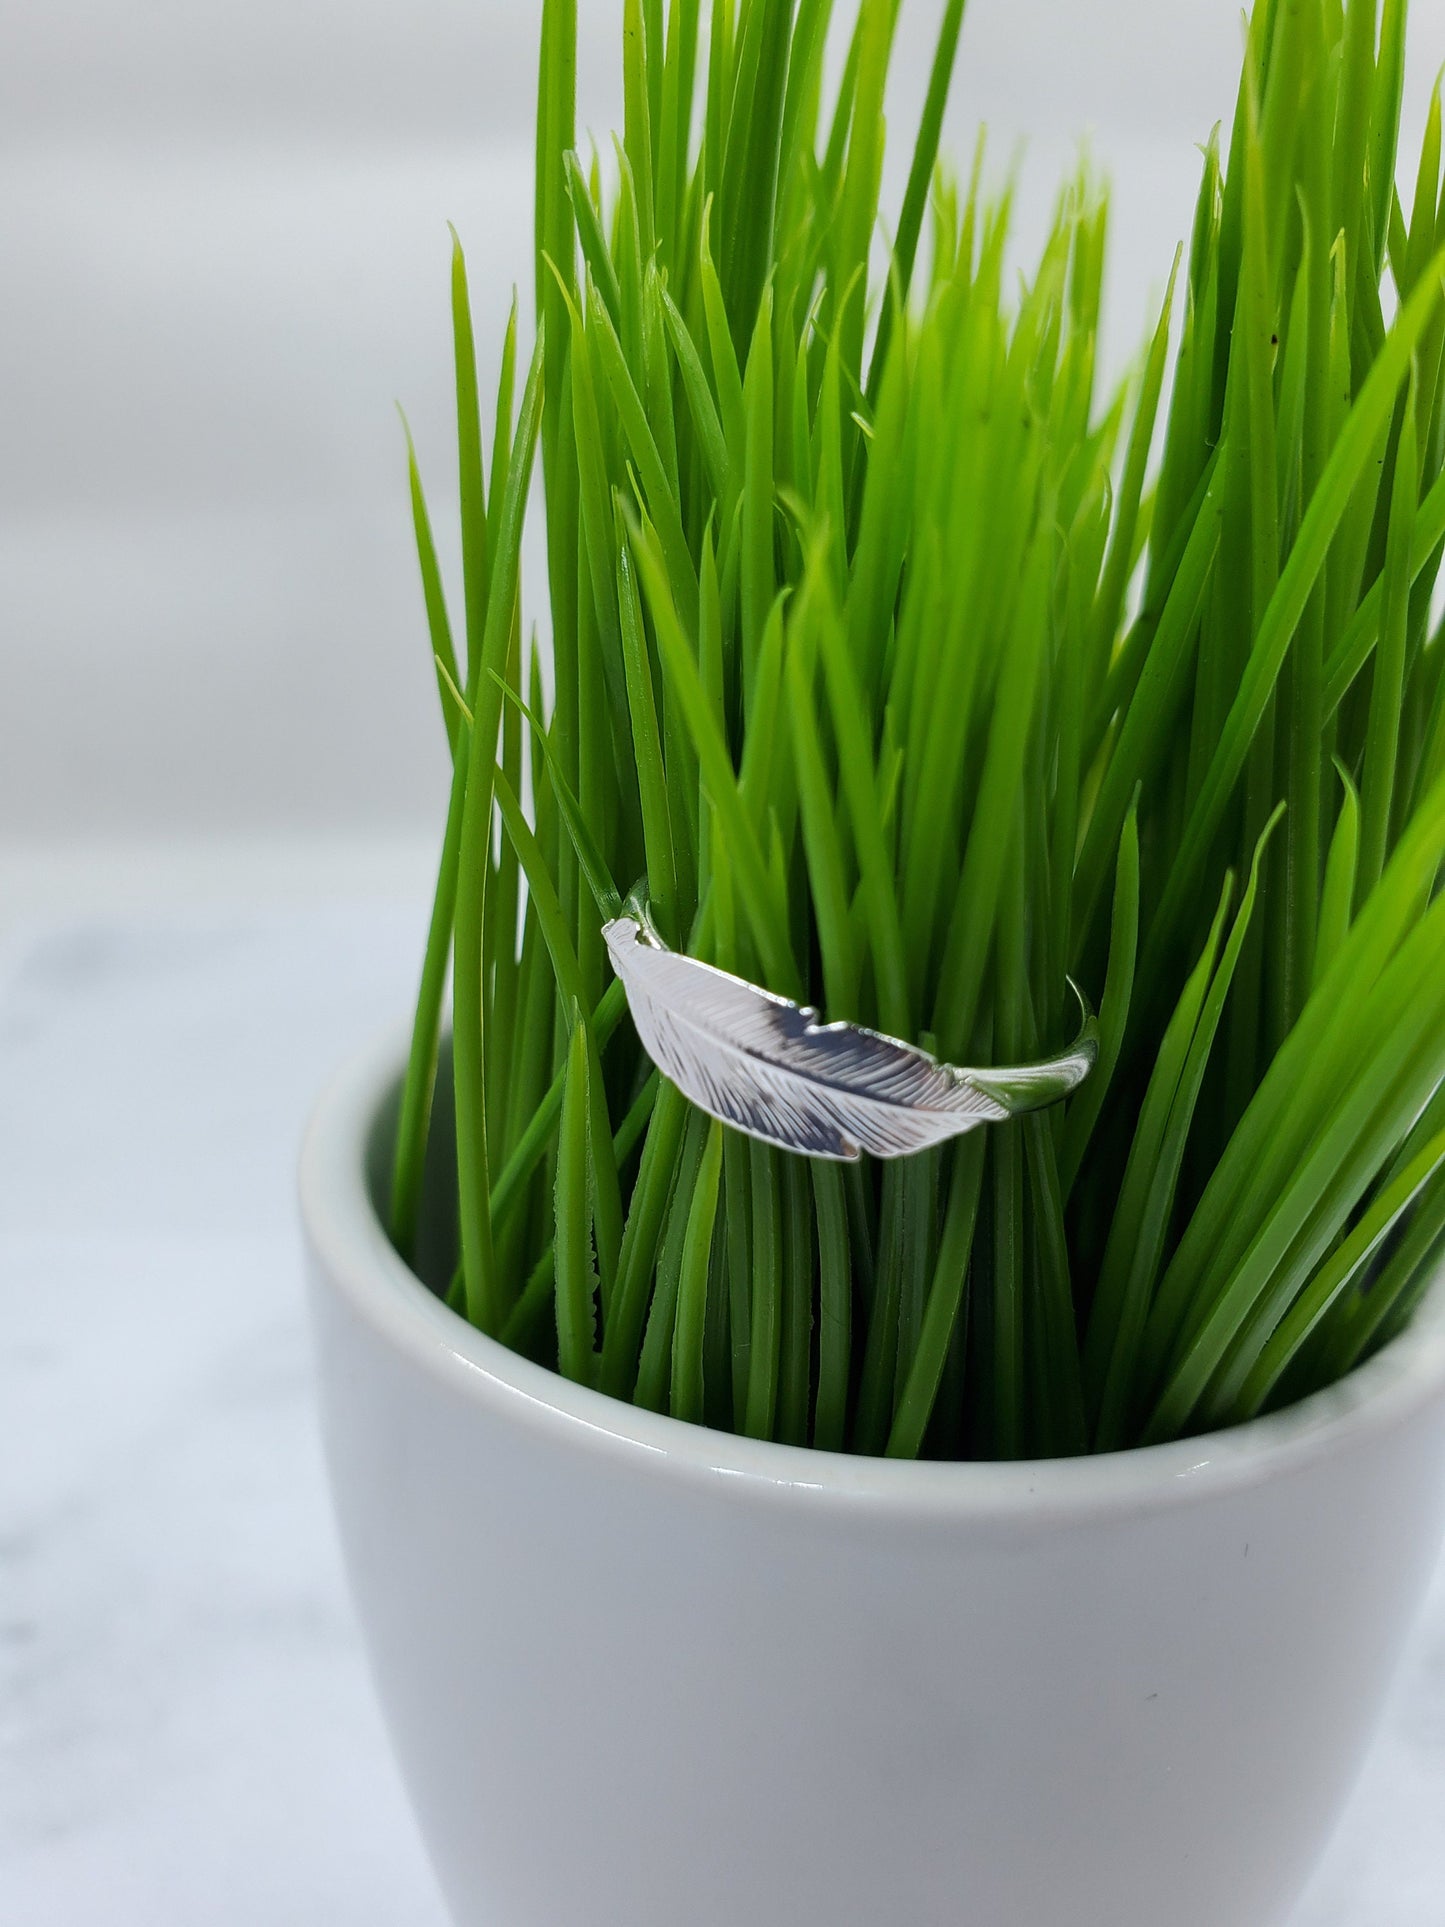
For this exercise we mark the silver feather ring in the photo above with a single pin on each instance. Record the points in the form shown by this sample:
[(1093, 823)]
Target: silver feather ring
[(770, 1068)]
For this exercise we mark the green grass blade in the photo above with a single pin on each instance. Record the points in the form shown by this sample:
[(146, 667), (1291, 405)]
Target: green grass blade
[(1084, 1110), (414, 1121), (680, 668), (654, 1370), (795, 1336), (1148, 721), (439, 626), (486, 1295), (687, 1343), (705, 418), (623, 1331), (835, 1309), (945, 1301), (572, 987), (920, 183), (1337, 898), (767, 1293), (1413, 1268), (647, 748), (476, 572), (1382, 746), (576, 1280), (1286, 606), (1335, 1277)]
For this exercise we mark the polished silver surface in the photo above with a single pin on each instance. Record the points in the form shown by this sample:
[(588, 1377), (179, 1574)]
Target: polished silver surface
[(770, 1068)]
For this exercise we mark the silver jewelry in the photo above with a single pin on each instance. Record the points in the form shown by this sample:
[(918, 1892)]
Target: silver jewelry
[(770, 1068)]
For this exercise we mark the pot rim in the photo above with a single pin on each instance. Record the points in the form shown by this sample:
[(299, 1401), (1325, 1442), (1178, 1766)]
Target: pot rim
[(355, 1259)]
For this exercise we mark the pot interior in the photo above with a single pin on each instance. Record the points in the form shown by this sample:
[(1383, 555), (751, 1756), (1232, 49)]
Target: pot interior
[(437, 1251)]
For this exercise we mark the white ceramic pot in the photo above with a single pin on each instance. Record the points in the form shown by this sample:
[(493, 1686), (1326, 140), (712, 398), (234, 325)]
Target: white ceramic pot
[(641, 1674)]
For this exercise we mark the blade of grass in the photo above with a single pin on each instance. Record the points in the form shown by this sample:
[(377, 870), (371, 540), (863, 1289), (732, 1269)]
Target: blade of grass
[(1346, 463), (687, 1343), (576, 1280)]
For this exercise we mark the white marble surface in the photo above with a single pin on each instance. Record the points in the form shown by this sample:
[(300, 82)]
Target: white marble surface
[(187, 1734)]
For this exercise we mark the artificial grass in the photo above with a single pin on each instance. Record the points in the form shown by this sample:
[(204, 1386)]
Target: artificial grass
[(913, 676)]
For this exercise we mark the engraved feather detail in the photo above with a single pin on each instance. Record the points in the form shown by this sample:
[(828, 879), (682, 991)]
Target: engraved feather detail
[(771, 1069)]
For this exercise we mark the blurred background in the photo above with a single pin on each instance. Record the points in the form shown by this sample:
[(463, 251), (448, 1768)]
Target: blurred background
[(223, 256)]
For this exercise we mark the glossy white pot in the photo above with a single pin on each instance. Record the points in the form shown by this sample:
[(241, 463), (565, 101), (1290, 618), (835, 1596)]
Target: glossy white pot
[(641, 1674)]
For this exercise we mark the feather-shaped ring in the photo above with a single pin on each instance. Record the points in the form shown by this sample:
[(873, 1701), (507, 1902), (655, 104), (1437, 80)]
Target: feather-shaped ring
[(770, 1068)]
